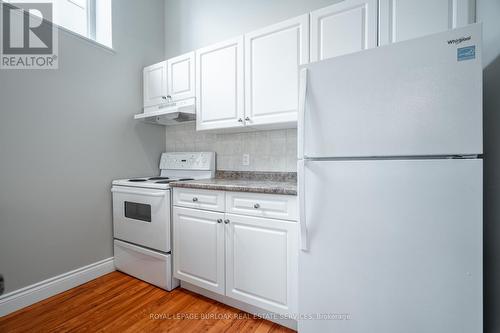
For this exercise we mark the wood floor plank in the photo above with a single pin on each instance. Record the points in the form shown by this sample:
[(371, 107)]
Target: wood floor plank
[(117, 302)]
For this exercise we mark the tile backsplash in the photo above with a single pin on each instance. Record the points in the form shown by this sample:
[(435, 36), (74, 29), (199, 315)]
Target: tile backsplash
[(274, 150)]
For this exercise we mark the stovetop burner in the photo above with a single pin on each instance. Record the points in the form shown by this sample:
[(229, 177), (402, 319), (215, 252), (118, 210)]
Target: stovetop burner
[(171, 180), (158, 178), (137, 180)]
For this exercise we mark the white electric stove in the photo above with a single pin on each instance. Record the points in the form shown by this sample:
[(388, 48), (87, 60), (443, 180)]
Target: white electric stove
[(142, 217)]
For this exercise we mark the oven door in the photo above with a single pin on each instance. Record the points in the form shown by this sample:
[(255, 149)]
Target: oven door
[(142, 216)]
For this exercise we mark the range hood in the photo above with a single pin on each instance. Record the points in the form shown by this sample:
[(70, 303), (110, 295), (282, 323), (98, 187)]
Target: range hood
[(173, 113)]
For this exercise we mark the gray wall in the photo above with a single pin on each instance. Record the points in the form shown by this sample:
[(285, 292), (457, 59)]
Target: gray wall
[(191, 24), (64, 135), (488, 12)]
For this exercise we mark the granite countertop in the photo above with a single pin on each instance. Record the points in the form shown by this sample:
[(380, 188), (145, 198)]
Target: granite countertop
[(258, 182)]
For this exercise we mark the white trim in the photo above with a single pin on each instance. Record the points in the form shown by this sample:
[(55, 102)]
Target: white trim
[(84, 38), (23, 297)]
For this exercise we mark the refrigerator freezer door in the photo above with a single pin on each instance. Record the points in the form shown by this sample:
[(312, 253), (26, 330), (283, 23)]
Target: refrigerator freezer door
[(394, 244), (414, 98)]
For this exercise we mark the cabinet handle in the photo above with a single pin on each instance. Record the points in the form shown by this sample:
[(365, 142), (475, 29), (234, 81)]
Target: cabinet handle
[(226, 221), (219, 220), (256, 206), (195, 199), (240, 120), (247, 118)]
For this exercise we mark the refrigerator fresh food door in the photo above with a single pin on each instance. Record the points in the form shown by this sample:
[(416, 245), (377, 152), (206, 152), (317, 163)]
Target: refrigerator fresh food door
[(394, 246), (415, 98)]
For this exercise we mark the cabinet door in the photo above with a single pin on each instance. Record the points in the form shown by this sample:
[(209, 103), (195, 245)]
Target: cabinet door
[(199, 248), (272, 57), (405, 19), (180, 71), (155, 84), (261, 262), (219, 85), (346, 27)]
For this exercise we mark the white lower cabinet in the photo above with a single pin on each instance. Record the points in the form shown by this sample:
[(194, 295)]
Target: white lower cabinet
[(260, 262), (248, 258), (199, 248)]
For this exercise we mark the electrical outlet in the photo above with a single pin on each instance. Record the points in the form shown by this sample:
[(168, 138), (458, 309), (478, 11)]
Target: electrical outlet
[(245, 160)]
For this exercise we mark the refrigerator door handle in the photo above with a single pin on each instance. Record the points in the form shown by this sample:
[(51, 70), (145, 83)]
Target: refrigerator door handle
[(302, 204), (302, 111)]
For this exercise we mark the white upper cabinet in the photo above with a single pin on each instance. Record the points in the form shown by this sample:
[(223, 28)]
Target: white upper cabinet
[(180, 73), (155, 84), (345, 27), (219, 85), (272, 57), (405, 19)]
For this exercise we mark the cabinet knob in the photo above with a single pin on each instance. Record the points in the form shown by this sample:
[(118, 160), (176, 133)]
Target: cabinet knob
[(226, 221), (256, 206), (247, 118), (195, 199), (240, 120), (219, 220)]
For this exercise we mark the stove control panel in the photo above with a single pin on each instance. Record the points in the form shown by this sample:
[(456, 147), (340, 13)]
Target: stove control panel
[(188, 161)]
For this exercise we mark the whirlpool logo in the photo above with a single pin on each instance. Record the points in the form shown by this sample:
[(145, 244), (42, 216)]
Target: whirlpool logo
[(459, 40), (29, 39)]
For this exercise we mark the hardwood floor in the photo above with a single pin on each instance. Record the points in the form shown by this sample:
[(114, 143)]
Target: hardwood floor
[(119, 303)]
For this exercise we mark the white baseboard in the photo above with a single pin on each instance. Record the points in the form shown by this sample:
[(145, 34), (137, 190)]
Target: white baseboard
[(290, 323), (23, 297)]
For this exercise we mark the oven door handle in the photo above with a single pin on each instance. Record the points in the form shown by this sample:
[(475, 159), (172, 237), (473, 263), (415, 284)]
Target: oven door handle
[(146, 193)]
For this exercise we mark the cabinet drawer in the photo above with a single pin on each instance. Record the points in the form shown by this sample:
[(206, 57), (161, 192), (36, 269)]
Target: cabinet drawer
[(147, 265), (201, 199), (264, 205)]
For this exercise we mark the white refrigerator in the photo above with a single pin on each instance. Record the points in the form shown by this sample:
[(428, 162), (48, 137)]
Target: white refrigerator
[(390, 188)]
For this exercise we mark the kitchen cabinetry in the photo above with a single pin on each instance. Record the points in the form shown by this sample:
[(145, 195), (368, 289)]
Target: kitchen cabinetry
[(200, 199), (219, 80), (199, 248), (405, 19), (180, 76), (345, 27), (173, 77), (248, 258), (260, 262), (251, 82), (274, 206), (272, 57), (155, 84)]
